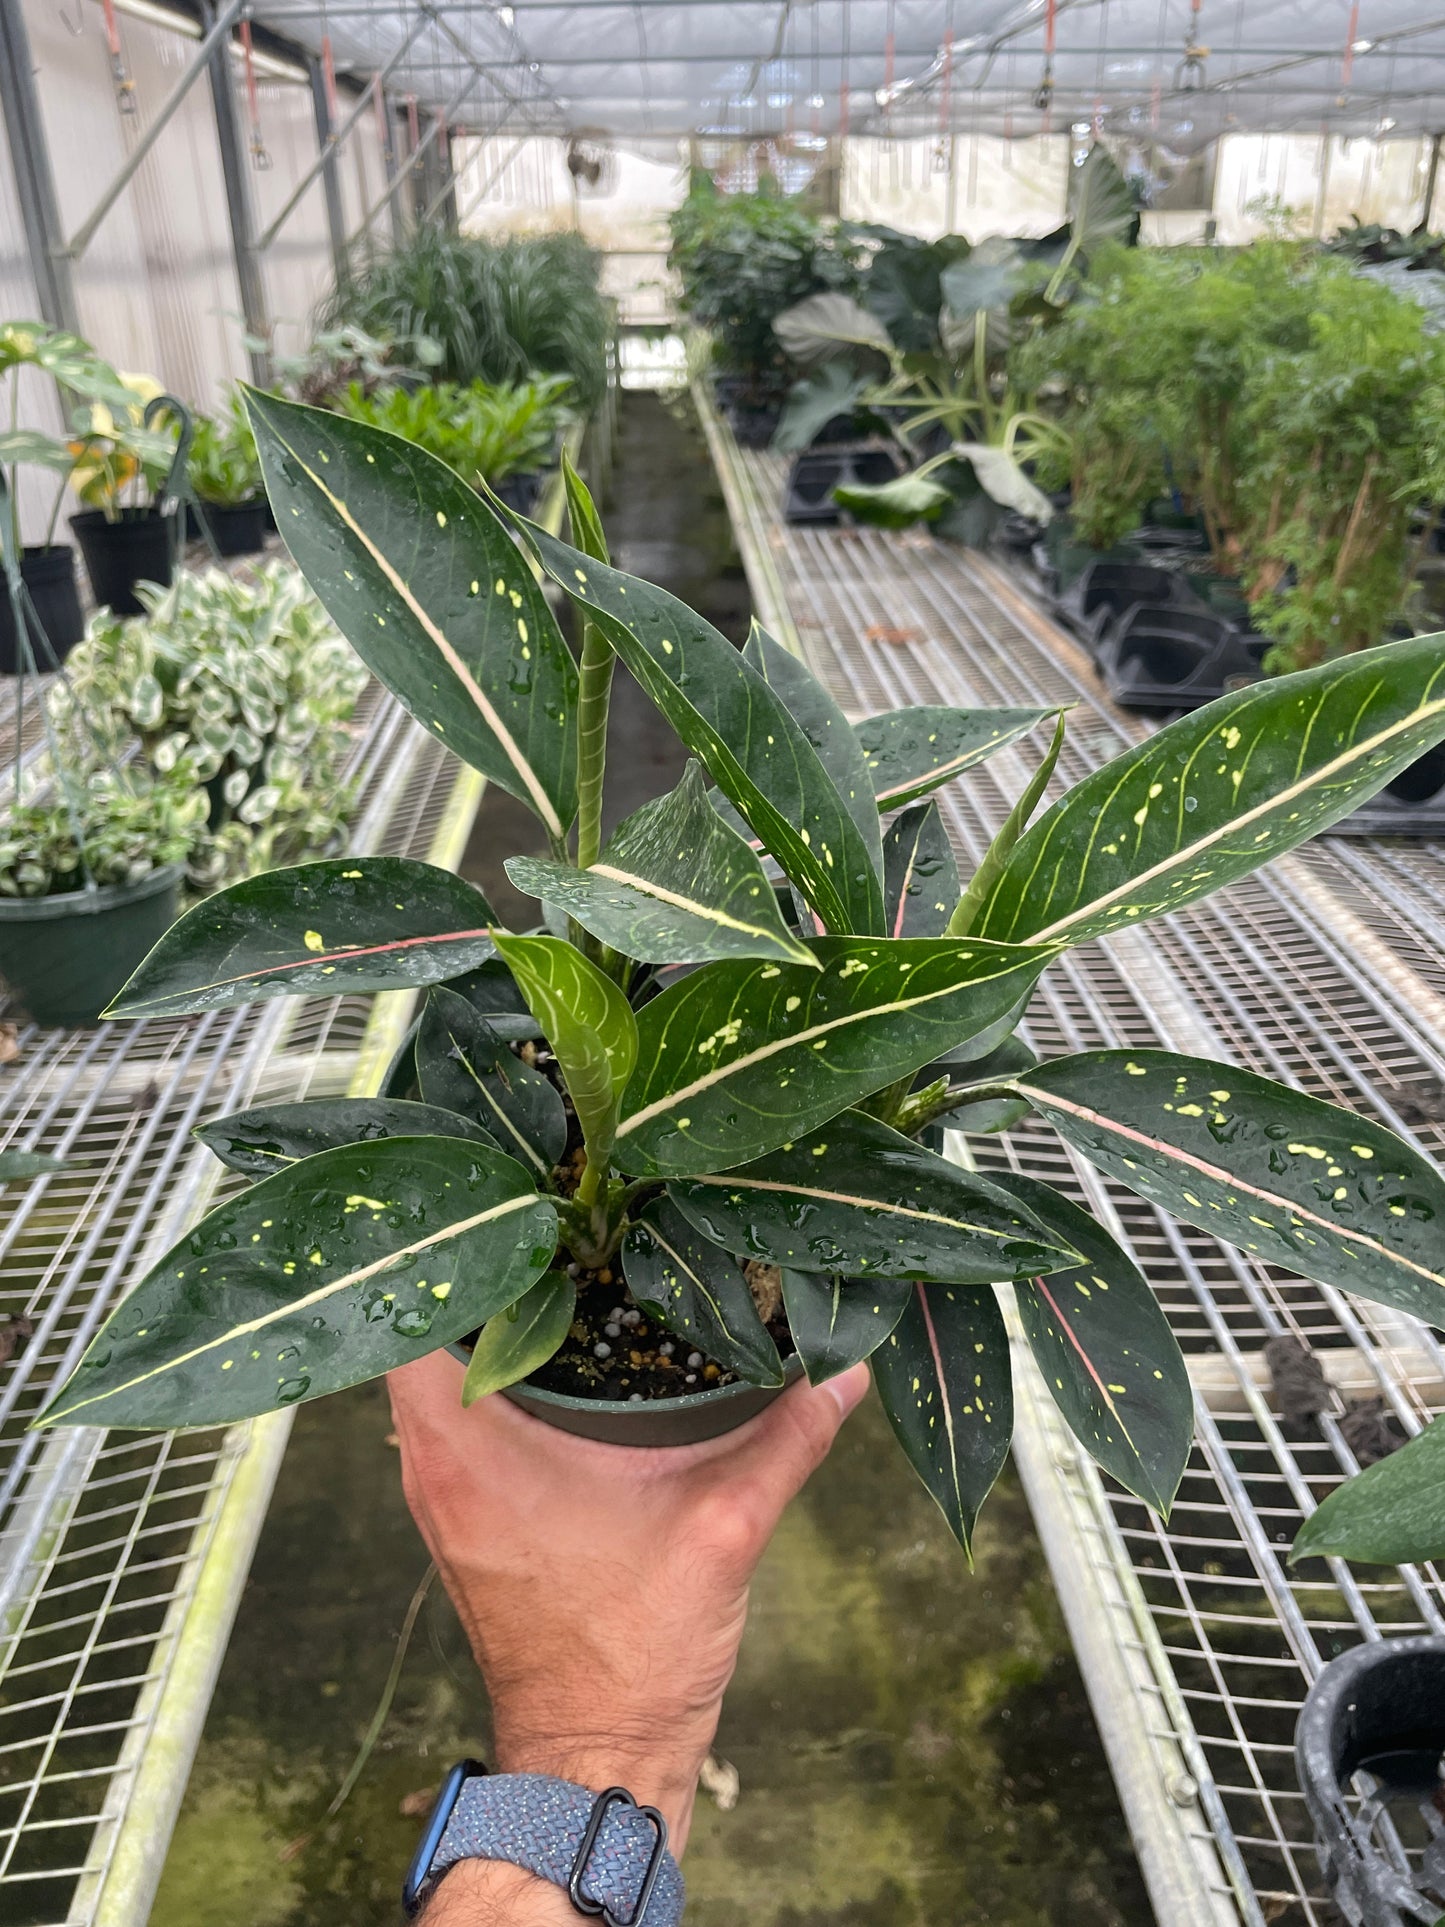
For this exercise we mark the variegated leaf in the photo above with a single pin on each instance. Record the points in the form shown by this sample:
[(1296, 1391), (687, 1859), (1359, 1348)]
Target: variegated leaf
[(464, 1066), (270, 1137), (837, 1321), (920, 873), (514, 1342), (909, 752), (699, 1291)]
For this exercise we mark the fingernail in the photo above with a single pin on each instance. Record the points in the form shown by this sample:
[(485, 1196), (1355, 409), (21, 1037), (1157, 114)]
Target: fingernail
[(848, 1388)]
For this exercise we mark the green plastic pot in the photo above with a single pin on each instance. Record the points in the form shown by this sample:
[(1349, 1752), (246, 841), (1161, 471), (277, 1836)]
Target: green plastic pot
[(65, 957), (671, 1421)]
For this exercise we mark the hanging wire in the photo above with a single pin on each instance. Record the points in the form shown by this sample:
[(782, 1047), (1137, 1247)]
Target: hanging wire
[(124, 86), (1044, 93), (260, 158)]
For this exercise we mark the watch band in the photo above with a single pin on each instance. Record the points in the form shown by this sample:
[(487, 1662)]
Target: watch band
[(607, 1853)]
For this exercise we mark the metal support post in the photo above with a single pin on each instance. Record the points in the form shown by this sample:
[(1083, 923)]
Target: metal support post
[(389, 163), (34, 181), (217, 34), (327, 144), (413, 160), (238, 194), (1432, 175), (441, 188)]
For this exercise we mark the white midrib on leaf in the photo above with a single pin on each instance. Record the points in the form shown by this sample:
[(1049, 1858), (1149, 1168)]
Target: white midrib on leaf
[(318, 1297), (512, 749), (1179, 858), (646, 887)]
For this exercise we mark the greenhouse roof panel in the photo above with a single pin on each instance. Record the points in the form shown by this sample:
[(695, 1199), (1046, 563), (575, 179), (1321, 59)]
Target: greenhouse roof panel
[(749, 68)]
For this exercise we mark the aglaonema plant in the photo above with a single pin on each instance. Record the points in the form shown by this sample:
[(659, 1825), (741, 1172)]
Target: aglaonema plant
[(703, 1085)]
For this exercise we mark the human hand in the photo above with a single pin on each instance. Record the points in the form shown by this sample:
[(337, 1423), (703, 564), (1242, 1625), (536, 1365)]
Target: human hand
[(604, 1588)]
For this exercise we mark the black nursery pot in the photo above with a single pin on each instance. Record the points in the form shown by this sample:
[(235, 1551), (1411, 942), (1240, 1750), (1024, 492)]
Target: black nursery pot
[(139, 547), (49, 576), (668, 1421), (237, 528), (520, 491), (65, 957)]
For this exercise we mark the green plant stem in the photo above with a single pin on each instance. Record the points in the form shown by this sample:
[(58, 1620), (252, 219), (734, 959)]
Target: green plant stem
[(594, 697)]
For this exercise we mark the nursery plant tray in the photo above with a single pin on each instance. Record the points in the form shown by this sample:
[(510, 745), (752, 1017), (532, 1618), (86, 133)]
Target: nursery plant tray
[(1197, 1642)]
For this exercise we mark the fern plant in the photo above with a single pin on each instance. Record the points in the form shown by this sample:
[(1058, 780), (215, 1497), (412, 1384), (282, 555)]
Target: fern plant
[(691, 1107)]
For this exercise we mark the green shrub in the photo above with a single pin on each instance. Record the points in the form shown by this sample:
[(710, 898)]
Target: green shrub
[(742, 259), (485, 432), (497, 310)]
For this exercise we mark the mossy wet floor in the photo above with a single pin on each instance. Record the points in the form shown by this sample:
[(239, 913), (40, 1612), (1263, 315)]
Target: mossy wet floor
[(914, 1745)]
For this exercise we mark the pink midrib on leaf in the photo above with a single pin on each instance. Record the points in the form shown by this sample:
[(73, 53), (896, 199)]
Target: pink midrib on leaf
[(944, 1400), (322, 957), (1042, 1288)]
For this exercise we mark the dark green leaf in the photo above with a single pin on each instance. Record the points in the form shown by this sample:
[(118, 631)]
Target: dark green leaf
[(1298, 1182), (346, 1265), (986, 1114), (464, 1066), (824, 326), (1107, 1353), (896, 504), (700, 1292), (272, 1136), (815, 401), (429, 588), (920, 874), (346, 924), (944, 1378), (1391, 1514), (995, 858), (582, 517), (826, 728), (1101, 204), (744, 735), (589, 1024), (674, 885), (855, 1196), (740, 1057), (912, 751), (1215, 794), (836, 1321), (514, 1342), (492, 990)]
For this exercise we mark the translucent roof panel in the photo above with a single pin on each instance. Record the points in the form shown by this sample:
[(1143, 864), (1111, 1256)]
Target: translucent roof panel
[(640, 70)]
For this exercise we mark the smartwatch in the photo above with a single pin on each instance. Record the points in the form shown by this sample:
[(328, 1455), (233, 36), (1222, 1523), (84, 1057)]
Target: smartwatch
[(608, 1854)]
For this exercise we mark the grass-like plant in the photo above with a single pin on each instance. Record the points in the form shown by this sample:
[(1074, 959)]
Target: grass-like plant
[(486, 431), (492, 310), (708, 1074)]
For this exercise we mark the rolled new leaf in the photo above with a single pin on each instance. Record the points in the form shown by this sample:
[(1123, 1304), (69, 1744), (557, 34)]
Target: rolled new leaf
[(1298, 1182), (675, 884), (1215, 794), (1107, 1354), (920, 873), (740, 1057), (909, 752), (944, 1377), (735, 723), (700, 1292), (428, 587), (271, 1137), (463, 1065), (838, 1321), (345, 924), (514, 1342), (1391, 1514), (855, 1193), (329, 1273)]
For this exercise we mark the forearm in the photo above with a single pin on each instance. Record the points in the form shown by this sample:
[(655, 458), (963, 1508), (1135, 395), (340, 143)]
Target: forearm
[(492, 1893)]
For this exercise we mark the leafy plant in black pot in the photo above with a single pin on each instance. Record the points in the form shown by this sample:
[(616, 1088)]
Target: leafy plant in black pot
[(50, 605), (224, 471), (123, 456), (647, 1162)]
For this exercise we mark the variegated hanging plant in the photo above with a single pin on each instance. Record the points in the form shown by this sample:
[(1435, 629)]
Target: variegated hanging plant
[(750, 1004)]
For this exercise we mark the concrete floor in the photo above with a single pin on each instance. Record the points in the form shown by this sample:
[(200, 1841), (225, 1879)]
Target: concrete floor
[(914, 1744)]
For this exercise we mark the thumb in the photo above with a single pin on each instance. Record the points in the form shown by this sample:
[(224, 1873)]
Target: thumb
[(791, 1439)]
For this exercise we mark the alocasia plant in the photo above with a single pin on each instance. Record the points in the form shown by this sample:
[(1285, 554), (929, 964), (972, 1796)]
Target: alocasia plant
[(705, 1083)]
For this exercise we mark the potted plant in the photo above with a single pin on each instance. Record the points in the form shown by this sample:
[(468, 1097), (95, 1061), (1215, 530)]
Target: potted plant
[(53, 618), (645, 1164), (90, 877), (503, 434), (119, 459), (225, 477), (245, 682)]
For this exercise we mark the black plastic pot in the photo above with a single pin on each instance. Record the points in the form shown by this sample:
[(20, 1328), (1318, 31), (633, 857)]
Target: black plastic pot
[(1378, 1711), (818, 471), (1172, 658), (49, 577), (65, 957), (138, 547), (1059, 558), (670, 1421), (1107, 591), (1412, 805), (237, 528), (753, 424), (520, 491)]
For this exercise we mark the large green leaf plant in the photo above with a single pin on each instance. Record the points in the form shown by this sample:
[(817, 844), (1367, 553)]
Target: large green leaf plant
[(711, 1081)]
